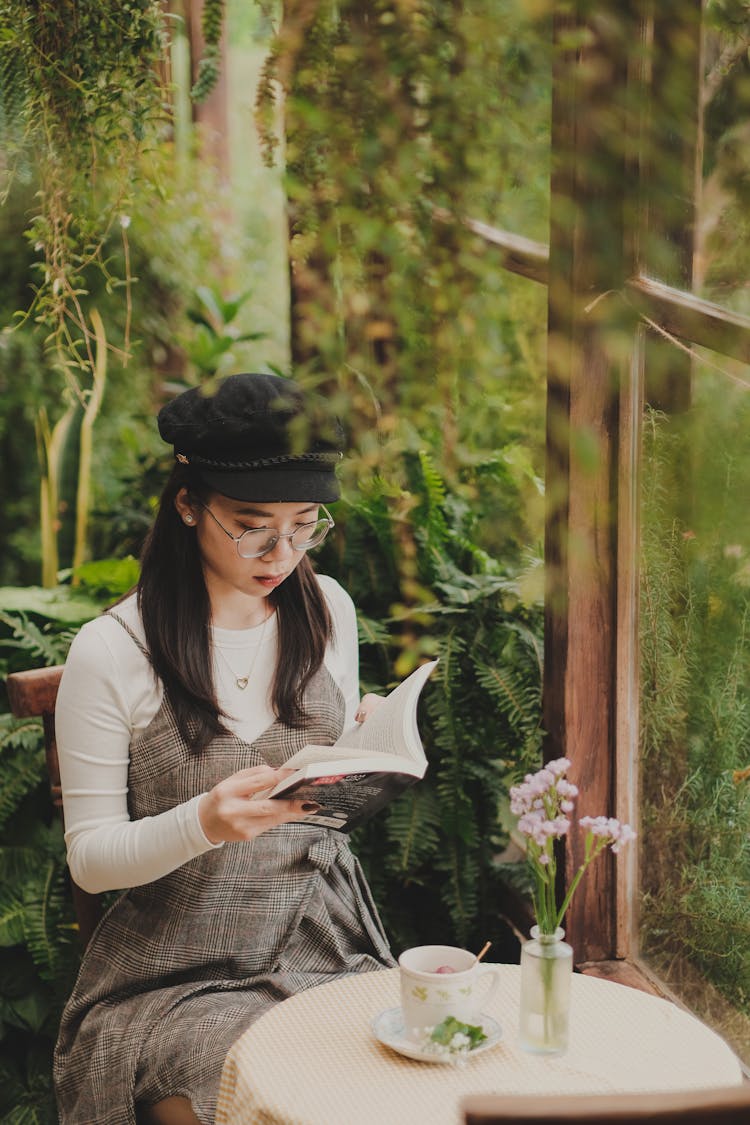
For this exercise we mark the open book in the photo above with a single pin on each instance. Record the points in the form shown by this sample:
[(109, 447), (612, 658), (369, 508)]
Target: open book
[(367, 767)]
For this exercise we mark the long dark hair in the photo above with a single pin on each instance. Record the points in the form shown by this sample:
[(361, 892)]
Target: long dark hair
[(176, 613)]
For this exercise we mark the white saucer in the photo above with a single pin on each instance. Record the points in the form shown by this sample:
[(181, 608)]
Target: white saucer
[(388, 1028)]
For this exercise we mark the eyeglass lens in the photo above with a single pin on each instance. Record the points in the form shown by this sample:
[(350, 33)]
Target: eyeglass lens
[(259, 541)]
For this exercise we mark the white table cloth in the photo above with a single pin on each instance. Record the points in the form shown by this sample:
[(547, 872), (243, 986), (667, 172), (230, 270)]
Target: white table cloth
[(313, 1060)]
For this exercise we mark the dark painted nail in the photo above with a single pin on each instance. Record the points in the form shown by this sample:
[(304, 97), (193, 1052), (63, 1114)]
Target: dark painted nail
[(310, 806)]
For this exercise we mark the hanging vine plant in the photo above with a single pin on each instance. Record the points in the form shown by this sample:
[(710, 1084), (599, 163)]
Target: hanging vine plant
[(81, 103), (212, 24)]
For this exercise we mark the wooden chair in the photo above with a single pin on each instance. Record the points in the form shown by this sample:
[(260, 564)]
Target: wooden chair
[(33, 694), (725, 1106)]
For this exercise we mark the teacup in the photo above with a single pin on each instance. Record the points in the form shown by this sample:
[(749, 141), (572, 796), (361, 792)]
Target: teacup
[(438, 981)]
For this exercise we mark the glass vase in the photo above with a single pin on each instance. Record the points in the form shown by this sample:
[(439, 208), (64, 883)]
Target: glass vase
[(544, 1013)]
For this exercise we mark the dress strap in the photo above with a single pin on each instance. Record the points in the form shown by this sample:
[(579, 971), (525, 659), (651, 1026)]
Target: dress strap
[(129, 631)]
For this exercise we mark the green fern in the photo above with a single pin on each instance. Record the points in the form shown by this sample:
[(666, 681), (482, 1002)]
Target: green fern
[(44, 646), (508, 689), (21, 761), (35, 907), (434, 870), (459, 865), (26, 1096), (412, 826), (371, 632), (433, 490), (11, 916), (46, 919)]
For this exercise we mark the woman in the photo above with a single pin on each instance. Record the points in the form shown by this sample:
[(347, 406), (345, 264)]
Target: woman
[(176, 707)]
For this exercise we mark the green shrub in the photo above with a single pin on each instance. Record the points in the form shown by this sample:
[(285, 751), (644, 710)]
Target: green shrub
[(695, 700), (40, 951), (425, 587)]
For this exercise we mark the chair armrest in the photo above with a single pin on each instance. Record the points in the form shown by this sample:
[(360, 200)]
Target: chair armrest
[(33, 692)]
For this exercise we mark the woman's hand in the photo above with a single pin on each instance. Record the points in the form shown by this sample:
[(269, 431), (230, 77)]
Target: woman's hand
[(367, 705), (227, 812)]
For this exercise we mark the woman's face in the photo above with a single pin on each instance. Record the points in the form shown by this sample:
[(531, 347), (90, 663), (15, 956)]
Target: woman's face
[(225, 571)]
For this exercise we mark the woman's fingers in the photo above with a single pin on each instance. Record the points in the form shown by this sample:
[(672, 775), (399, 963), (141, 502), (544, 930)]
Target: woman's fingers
[(368, 704), (280, 811), (254, 779), (232, 810)]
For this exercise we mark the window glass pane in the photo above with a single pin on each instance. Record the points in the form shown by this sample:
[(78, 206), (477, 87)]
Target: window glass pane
[(668, 121), (511, 69), (695, 151), (722, 261), (695, 697)]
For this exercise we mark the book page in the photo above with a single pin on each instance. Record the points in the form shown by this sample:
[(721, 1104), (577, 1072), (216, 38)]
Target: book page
[(388, 740), (324, 767), (392, 726), (312, 754)]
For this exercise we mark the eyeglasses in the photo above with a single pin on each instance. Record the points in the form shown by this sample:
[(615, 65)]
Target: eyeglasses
[(258, 541)]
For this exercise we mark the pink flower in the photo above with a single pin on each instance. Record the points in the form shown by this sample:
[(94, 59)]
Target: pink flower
[(609, 830), (543, 803), (626, 835), (596, 825)]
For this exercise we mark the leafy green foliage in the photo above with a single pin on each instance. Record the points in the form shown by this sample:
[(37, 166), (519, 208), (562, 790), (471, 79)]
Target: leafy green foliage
[(430, 347), (393, 112), (432, 856), (30, 637), (108, 579), (21, 761), (215, 331), (724, 240), (26, 1097), (81, 98), (173, 248), (695, 701), (34, 905), (38, 941), (209, 66), (37, 926)]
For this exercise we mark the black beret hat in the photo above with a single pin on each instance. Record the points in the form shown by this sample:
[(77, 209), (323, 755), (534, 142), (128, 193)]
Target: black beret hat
[(257, 437)]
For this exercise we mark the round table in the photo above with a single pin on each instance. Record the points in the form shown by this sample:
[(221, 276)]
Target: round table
[(313, 1059)]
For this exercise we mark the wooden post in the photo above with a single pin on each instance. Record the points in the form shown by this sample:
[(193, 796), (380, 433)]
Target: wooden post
[(586, 327), (600, 139)]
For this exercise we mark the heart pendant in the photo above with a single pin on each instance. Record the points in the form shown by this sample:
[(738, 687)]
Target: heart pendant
[(242, 682)]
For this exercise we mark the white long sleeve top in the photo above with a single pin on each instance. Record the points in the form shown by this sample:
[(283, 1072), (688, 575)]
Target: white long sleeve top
[(109, 694)]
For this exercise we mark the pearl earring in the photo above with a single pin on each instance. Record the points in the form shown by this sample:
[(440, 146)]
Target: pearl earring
[(188, 519)]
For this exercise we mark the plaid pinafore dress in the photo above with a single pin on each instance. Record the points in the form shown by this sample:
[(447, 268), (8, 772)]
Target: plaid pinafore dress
[(179, 968)]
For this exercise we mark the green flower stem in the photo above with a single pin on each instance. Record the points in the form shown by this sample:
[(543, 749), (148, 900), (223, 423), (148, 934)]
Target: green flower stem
[(548, 973), (550, 919), (545, 907)]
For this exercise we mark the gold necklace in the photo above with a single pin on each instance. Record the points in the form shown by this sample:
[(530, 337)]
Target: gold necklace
[(242, 681)]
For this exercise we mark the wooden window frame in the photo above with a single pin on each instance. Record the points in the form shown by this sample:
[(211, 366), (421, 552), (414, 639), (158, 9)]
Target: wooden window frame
[(595, 386)]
